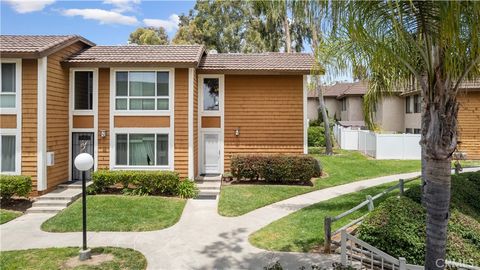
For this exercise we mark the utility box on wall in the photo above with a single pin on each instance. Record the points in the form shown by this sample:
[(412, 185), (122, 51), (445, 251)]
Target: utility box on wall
[(50, 158)]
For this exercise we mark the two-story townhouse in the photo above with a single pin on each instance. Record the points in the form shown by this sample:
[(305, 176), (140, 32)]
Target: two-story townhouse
[(171, 107)]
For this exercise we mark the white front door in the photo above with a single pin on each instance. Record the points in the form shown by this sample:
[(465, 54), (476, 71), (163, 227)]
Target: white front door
[(211, 152)]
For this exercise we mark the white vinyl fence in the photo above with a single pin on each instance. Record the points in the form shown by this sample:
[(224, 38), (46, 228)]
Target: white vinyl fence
[(378, 145)]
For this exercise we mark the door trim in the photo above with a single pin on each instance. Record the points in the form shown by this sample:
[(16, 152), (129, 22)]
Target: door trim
[(72, 158), (201, 149)]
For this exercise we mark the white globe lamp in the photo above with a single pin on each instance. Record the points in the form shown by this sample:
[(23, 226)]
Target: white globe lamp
[(84, 162)]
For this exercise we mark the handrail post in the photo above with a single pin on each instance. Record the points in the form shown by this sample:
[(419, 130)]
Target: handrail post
[(402, 186), (402, 263), (344, 248), (328, 235), (370, 203)]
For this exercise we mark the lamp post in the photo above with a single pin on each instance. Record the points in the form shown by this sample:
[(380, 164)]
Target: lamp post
[(84, 162)]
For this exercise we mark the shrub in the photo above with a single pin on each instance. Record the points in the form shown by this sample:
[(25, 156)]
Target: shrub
[(137, 182), (275, 168), (14, 185), (187, 189), (316, 136)]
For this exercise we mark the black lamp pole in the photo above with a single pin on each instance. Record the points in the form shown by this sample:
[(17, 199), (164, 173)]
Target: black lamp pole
[(84, 210)]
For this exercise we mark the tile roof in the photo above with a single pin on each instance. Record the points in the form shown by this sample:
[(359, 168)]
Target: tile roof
[(36, 45), (255, 62), (337, 89), (186, 54), (357, 88)]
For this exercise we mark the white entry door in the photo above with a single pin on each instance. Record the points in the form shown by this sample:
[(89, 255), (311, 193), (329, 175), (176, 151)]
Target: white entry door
[(211, 159)]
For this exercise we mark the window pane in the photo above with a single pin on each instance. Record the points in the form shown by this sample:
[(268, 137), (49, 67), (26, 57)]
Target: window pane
[(7, 101), (83, 90), (8, 153), (121, 104), (162, 83), (162, 149), (162, 104), (8, 77), (122, 84), (142, 83), (210, 95), (142, 104), (121, 149), (142, 149)]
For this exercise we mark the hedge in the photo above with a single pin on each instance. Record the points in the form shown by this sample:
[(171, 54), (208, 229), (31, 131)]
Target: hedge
[(141, 182), (14, 185), (397, 226), (275, 168)]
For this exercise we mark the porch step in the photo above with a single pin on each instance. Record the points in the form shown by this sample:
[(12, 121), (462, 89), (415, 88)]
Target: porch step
[(74, 184), (45, 209), (209, 187), (55, 203), (58, 199)]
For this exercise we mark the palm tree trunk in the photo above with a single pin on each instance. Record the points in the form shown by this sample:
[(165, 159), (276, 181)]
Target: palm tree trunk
[(437, 201)]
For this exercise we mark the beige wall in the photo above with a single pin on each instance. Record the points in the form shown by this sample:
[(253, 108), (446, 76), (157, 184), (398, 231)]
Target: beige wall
[(333, 107), (412, 120), (390, 115), (354, 109), (312, 105)]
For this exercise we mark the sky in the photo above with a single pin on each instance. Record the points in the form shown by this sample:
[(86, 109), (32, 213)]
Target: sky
[(104, 22), (107, 22)]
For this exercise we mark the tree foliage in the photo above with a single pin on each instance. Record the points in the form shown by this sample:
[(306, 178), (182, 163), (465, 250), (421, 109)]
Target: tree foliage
[(149, 36), (242, 26)]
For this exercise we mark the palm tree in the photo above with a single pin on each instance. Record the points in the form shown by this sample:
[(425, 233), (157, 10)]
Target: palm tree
[(436, 42)]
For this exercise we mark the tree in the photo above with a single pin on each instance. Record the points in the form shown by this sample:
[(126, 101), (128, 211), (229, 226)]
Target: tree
[(436, 42), (149, 35)]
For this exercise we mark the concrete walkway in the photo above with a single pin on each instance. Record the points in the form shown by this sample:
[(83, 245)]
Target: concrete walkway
[(200, 240)]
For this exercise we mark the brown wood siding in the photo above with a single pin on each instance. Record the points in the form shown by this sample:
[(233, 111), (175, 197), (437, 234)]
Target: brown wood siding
[(104, 118), (141, 121), (29, 120), (195, 124), (469, 124), (268, 109), (181, 121), (8, 121), (83, 121), (57, 114), (211, 122)]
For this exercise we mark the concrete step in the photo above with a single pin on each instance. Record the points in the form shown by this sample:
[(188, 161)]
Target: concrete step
[(45, 209), (55, 203), (74, 185), (62, 194)]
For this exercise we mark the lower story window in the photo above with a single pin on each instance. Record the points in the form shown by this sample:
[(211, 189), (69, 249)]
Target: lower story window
[(142, 149), (8, 146)]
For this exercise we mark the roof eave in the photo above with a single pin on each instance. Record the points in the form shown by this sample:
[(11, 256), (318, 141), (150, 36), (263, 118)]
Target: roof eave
[(129, 64)]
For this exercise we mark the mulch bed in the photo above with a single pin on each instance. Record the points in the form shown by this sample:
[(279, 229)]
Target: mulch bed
[(263, 182), (17, 204)]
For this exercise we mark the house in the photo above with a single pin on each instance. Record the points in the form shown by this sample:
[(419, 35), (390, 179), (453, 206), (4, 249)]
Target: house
[(401, 111), (170, 107)]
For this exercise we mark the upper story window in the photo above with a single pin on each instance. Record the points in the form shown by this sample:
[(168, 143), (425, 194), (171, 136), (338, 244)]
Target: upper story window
[(211, 94), (344, 104), (8, 86), (83, 97), (142, 90), (417, 104), (408, 104)]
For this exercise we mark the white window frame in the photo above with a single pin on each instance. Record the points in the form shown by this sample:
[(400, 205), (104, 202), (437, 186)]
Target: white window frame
[(113, 148), (221, 91), (18, 86), (18, 149), (113, 92), (94, 90)]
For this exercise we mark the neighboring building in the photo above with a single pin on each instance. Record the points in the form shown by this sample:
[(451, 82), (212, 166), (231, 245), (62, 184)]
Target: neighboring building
[(144, 107)]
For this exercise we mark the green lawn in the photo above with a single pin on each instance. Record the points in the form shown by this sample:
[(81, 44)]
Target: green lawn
[(118, 213), (7, 215), (342, 168), (302, 231), (54, 258)]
